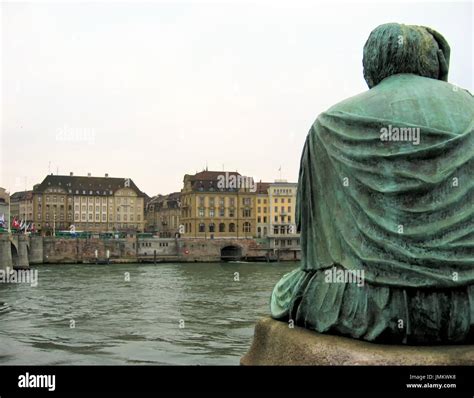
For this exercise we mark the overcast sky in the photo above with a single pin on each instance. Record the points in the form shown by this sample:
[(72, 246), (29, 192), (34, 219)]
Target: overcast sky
[(152, 91)]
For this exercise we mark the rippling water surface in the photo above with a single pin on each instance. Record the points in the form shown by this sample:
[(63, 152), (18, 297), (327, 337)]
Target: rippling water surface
[(137, 321)]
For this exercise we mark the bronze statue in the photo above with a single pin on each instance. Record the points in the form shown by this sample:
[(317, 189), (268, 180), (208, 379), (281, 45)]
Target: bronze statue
[(385, 203)]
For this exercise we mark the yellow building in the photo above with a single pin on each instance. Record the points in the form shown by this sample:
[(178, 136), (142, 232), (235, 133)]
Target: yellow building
[(96, 204), (262, 210), (275, 213), (217, 204)]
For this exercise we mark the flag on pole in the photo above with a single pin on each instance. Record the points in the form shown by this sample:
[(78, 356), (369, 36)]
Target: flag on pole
[(15, 223)]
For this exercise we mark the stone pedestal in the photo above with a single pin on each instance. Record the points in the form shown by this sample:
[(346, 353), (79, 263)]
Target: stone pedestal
[(36, 250), (275, 343), (5, 252), (22, 252)]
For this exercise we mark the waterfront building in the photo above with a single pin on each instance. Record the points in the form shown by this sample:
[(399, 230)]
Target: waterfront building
[(262, 210), (276, 215), (95, 204), (163, 214), (4, 208), (218, 204), (21, 206)]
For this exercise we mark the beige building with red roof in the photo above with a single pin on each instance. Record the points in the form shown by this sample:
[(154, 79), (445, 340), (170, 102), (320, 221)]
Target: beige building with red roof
[(218, 204)]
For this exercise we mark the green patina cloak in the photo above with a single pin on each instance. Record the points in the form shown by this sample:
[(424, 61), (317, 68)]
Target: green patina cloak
[(402, 212)]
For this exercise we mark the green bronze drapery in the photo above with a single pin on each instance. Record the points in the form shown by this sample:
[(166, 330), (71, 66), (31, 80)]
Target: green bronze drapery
[(386, 188)]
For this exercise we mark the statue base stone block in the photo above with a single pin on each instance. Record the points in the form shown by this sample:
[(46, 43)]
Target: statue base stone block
[(275, 343)]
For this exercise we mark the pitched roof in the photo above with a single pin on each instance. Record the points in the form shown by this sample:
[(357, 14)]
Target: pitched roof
[(156, 199), (174, 196), (207, 181), (211, 175), (21, 195), (84, 185), (262, 187), (172, 201)]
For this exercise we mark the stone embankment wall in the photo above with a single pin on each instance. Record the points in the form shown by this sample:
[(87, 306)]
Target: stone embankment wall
[(88, 250), (21, 250)]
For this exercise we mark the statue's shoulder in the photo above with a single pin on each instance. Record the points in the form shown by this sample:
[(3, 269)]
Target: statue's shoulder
[(390, 95), (353, 104), (375, 98)]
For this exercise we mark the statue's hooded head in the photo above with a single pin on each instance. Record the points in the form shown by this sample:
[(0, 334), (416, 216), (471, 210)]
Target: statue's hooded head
[(395, 48)]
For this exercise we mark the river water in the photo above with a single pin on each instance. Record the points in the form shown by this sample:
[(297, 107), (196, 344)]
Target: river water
[(176, 314)]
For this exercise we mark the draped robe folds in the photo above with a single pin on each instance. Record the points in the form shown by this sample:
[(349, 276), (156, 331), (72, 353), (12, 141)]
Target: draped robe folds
[(398, 209)]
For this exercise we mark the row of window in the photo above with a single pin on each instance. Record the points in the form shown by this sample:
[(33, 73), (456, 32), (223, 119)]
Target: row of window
[(245, 201), (87, 199), (52, 199), (54, 216), (289, 242), (222, 227), (275, 200), (231, 212), (221, 201), (85, 209), (283, 230), (283, 191), (275, 209), (104, 208), (90, 217), (79, 192), (148, 244), (86, 225), (61, 198), (61, 213), (54, 207), (21, 214), (281, 218)]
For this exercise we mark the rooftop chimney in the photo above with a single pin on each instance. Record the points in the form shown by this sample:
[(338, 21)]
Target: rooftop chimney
[(71, 173), (88, 174), (106, 174)]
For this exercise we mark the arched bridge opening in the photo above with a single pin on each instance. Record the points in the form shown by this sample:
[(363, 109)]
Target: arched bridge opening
[(231, 253)]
